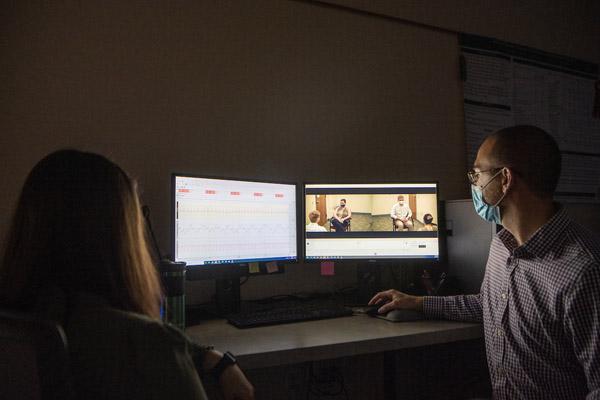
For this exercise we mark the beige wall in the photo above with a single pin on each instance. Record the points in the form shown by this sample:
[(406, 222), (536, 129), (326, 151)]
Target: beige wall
[(426, 204), (359, 203), (268, 89), (382, 204)]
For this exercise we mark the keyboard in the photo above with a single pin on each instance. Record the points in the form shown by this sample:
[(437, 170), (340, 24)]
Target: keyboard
[(284, 315)]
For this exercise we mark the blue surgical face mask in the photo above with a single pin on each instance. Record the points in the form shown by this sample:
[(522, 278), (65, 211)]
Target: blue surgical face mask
[(489, 212)]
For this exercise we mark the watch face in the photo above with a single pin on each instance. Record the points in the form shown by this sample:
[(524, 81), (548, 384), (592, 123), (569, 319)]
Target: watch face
[(230, 359), (227, 360)]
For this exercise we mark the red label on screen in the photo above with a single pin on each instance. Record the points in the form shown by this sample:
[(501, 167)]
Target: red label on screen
[(234, 193), (279, 195), (184, 190), (210, 191), (258, 194)]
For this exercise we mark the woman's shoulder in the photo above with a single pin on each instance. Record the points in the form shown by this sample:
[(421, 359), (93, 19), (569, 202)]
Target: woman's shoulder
[(92, 316), (108, 319), (102, 338)]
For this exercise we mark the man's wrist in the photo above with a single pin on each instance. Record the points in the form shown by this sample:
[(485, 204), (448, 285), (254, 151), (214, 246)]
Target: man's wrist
[(418, 303), (433, 307)]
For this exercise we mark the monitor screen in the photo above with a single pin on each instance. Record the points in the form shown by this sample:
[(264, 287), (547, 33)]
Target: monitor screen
[(371, 221), (226, 221)]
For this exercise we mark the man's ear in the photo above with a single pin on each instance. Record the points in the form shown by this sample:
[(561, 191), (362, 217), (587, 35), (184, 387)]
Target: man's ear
[(508, 177)]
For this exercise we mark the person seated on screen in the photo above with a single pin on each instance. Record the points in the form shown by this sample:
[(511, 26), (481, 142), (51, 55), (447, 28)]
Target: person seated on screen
[(76, 253), (402, 215), (314, 226), (428, 224), (341, 216)]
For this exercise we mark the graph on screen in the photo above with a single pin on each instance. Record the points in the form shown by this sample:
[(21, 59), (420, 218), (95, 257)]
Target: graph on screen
[(219, 221)]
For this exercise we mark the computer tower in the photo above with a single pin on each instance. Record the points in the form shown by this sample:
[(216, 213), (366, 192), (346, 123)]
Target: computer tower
[(468, 243)]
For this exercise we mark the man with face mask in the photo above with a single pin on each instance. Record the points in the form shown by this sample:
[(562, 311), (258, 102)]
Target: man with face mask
[(341, 217), (402, 215), (540, 297)]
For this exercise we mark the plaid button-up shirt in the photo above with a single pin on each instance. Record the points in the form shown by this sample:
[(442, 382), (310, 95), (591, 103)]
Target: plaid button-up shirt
[(540, 307)]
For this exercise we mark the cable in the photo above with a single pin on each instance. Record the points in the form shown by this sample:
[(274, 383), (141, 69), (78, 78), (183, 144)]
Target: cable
[(245, 280)]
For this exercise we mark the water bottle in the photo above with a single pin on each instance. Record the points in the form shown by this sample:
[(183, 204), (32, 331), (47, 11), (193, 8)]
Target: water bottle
[(172, 275)]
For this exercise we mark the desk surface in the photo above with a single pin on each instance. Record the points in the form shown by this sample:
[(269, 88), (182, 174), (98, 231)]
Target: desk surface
[(326, 339)]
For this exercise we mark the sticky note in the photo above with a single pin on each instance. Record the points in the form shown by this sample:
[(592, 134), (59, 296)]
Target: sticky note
[(327, 268), (253, 268), (272, 267)]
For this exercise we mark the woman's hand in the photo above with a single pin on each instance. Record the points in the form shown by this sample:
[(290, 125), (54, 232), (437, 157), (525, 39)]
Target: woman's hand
[(235, 385)]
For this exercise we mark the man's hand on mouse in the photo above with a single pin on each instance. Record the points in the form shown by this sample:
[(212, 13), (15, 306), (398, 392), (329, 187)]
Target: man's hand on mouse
[(395, 300)]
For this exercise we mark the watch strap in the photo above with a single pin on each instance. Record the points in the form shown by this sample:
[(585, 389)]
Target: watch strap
[(227, 360)]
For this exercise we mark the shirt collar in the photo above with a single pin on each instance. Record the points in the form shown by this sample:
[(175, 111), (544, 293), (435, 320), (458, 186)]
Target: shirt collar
[(543, 240)]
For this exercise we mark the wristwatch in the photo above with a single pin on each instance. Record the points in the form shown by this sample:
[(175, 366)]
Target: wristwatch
[(227, 360)]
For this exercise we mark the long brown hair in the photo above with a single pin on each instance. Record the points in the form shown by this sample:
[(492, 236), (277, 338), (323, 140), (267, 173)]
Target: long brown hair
[(78, 226)]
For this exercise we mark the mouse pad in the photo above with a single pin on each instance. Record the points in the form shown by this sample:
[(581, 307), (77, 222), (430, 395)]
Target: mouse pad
[(404, 316)]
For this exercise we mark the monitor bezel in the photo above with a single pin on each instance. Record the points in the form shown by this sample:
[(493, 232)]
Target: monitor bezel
[(233, 269), (399, 260)]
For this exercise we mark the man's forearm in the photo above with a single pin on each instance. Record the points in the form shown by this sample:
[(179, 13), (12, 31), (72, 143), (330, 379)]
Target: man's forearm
[(456, 308)]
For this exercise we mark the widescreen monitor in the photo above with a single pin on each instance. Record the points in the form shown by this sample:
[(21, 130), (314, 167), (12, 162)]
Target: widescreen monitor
[(387, 221), (228, 221)]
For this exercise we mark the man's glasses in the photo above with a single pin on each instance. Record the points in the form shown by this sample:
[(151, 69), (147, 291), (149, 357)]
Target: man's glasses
[(474, 175)]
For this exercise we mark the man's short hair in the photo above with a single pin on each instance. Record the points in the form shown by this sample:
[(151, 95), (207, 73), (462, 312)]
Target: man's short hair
[(314, 216), (344, 200), (399, 196), (532, 154)]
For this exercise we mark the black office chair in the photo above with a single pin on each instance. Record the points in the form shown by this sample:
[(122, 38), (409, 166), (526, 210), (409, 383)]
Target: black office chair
[(34, 361)]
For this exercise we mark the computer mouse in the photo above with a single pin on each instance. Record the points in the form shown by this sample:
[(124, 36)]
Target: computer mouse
[(372, 311)]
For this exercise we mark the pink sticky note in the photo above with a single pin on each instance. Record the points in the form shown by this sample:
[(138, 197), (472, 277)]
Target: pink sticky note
[(272, 267), (327, 268)]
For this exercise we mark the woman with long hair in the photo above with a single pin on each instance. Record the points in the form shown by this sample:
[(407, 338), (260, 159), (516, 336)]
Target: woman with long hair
[(76, 253)]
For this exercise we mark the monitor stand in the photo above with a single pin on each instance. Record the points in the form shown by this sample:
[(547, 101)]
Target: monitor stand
[(368, 276), (228, 295)]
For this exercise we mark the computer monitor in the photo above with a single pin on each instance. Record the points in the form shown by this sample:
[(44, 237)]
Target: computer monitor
[(219, 222), (378, 222)]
